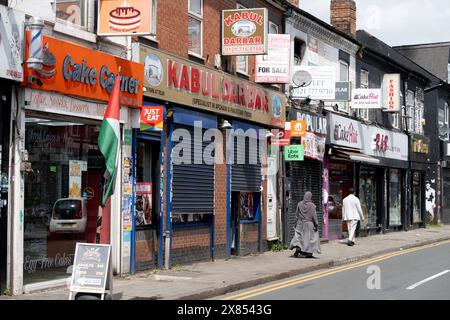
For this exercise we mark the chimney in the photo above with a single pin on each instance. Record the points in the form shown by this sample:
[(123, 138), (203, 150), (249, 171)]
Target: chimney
[(295, 3), (343, 16)]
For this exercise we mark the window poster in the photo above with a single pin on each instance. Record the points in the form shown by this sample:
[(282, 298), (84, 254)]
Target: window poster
[(143, 203), (246, 211), (75, 170)]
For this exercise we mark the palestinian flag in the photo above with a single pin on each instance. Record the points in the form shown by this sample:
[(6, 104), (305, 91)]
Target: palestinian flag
[(109, 139)]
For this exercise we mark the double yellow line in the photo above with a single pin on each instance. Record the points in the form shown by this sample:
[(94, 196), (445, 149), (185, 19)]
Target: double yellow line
[(280, 285)]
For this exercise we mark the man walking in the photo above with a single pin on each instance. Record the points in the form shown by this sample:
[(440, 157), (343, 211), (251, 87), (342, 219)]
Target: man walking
[(352, 213)]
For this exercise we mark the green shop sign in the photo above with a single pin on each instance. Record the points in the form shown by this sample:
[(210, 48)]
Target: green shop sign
[(294, 152)]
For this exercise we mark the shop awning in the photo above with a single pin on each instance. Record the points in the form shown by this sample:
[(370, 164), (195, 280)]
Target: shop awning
[(353, 155)]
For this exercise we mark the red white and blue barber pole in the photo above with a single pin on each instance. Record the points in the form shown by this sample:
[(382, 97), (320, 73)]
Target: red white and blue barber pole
[(34, 61)]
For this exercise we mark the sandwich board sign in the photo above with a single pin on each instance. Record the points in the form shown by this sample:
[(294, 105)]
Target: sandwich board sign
[(91, 269)]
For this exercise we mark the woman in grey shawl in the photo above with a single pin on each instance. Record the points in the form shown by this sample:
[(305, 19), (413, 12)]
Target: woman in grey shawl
[(306, 237)]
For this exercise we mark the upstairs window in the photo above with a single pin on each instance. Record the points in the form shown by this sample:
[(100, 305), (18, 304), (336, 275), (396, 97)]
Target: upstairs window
[(364, 84), (446, 120), (74, 12), (195, 27)]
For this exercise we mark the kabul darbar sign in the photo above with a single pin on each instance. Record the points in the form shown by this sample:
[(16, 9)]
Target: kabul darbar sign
[(181, 81), (244, 31)]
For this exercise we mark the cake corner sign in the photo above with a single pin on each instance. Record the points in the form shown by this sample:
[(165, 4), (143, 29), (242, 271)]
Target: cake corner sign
[(124, 17)]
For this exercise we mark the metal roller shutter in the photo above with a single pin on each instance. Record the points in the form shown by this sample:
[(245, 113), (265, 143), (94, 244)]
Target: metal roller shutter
[(193, 184), (246, 177), (304, 176)]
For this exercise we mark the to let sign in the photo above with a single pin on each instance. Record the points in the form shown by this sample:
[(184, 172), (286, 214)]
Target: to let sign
[(90, 268)]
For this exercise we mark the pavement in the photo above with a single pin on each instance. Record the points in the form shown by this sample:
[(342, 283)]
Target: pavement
[(207, 280)]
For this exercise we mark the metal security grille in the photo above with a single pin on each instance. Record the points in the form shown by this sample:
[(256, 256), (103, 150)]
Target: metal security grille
[(304, 176), (193, 184), (246, 176)]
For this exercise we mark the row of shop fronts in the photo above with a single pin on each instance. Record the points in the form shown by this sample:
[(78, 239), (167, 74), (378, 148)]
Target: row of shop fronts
[(178, 199), (386, 168)]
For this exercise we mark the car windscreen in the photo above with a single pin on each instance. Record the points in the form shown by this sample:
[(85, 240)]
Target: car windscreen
[(67, 210)]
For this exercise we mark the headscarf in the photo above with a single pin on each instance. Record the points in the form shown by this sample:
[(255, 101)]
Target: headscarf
[(306, 207)]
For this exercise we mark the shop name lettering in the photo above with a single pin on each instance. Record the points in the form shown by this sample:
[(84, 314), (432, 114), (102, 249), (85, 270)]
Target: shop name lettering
[(349, 135), (89, 75), (60, 260), (381, 143), (314, 124), (194, 80), (391, 94)]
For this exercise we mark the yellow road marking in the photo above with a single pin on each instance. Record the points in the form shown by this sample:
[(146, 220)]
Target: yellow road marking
[(317, 275)]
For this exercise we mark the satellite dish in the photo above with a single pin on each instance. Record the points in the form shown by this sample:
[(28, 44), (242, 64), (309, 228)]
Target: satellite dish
[(302, 78)]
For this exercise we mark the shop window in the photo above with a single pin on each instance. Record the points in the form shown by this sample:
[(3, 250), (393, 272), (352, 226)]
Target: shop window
[(417, 197), (368, 195), (195, 27), (72, 11), (61, 193), (395, 207)]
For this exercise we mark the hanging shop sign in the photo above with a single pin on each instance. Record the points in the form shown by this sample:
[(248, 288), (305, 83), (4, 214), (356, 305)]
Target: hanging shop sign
[(275, 66), (152, 118), (124, 17), (298, 128), (366, 99), (78, 71), (421, 145), (320, 83), (343, 91), (11, 38), (391, 93), (182, 81), (294, 153), (345, 132), (384, 143), (314, 146), (244, 31), (282, 137)]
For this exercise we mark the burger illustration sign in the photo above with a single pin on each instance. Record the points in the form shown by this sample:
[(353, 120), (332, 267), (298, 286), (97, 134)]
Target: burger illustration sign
[(124, 17), (244, 32)]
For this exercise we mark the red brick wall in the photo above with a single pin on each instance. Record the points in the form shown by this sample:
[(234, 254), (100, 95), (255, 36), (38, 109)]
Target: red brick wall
[(343, 16), (220, 204), (172, 27)]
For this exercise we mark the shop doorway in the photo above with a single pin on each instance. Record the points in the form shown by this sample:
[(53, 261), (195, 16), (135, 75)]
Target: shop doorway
[(341, 179), (244, 211), (147, 204), (4, 184)]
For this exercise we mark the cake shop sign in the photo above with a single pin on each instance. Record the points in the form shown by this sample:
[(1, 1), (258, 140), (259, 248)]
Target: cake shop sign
[(181, 81), (78, 71), (346, 132), (124, 17)]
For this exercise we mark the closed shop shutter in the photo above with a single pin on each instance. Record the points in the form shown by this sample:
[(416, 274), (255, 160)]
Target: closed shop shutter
[(305, 176), (246, 177), (193, 184)]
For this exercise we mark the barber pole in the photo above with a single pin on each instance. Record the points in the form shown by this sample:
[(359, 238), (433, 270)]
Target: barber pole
[(35, 51)]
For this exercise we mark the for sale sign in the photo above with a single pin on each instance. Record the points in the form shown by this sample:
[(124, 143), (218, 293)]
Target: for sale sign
[(244, 31), (274, 66)]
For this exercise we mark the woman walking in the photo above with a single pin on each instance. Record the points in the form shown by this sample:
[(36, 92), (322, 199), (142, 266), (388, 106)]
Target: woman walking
[(306, 238)]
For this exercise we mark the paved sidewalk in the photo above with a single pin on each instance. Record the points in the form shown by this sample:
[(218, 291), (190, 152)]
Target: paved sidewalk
[(210, 279)]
